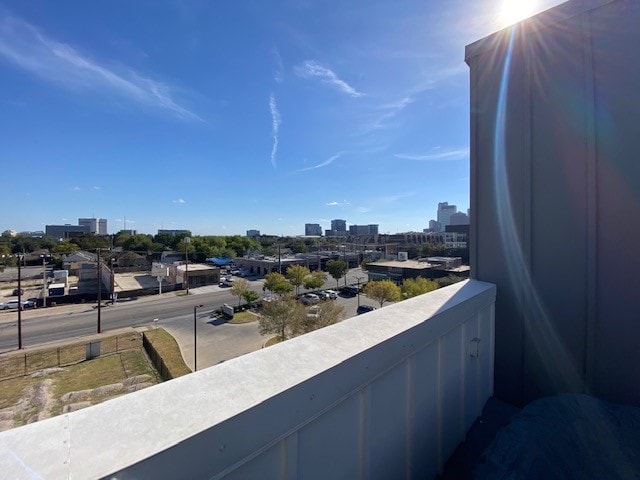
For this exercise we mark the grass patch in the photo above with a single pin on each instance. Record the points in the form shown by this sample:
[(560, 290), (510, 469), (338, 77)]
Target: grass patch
[(273, 341), (244, 317), (102, 371), (168, 349), (11, 390)]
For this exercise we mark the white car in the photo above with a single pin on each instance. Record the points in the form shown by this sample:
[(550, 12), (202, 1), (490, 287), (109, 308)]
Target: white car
[(11, 304), (309, 298), (332, 294)]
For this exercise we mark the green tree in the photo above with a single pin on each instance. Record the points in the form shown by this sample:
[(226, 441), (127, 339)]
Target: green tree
[(412, 287), (337, 269), (364, 264), (449, 280), (277, 283), (296, 275), (280, 316), (318, 316), (250, 296), (65, 247), (91, 241), (383, 291), (315, 280), (239, 287)]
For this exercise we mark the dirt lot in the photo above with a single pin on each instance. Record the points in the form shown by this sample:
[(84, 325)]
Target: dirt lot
[(54, 391)]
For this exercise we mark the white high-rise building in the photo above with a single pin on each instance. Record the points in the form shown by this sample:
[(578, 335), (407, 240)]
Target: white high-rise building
[(96, 225)]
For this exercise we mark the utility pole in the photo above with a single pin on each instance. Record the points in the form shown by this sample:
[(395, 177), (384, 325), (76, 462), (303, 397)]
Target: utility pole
[(44, 280), (19, 304), (279, 260), (99, 292), (186, 265)]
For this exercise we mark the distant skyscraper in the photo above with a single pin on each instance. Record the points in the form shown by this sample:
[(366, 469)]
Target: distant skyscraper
[(102, 226), (435, 226), (96, 225), (459, 218), (444, 213), (339, 225), (313, 229), (253, 233), (363, 229)]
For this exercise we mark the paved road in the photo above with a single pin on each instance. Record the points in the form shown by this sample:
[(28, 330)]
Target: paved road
[(216, 341)]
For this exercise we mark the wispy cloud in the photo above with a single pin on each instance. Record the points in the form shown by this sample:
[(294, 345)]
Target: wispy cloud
[(275, 127), (328, 161), (386, 199), (180, 201), (76, 188), (311, 69), (343, 203), (97, 188), (454, 154), (363, 209), (278, 74), (59, 63), (384, 113)]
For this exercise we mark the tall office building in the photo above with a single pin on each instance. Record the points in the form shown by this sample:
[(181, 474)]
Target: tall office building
[(96, 225), (339, 225), (444, 213), (371, 229), (313, 229), (253, 233), (459, 218)]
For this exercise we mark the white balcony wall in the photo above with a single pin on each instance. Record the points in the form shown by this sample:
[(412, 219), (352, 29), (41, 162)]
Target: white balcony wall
[(388, 394)]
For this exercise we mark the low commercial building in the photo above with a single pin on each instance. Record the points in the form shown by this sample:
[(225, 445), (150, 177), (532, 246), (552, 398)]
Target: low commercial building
[(261, 265), (198, 275), (432, 267)]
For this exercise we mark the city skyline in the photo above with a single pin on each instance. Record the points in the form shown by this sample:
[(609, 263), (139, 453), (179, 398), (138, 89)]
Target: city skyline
[(224, 118)]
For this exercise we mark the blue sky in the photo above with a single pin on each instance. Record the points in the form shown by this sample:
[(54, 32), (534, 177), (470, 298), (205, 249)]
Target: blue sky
[(220, 117)]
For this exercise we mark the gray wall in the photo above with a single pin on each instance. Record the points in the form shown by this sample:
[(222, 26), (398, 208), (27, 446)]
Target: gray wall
[(555, 199)]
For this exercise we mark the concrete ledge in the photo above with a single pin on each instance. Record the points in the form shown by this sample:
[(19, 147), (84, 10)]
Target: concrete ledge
[(264, 414)]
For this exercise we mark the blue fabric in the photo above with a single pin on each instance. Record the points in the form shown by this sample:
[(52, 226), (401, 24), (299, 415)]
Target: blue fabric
[(219, 261), (564, 437)]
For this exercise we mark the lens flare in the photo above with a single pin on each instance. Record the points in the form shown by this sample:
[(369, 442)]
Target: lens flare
[(512, 11)]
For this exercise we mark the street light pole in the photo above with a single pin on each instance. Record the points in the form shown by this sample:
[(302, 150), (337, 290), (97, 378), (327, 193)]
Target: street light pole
[(19, 304), (186, 266), (44, 280), (359, 278), (99, 292), (195, 339)]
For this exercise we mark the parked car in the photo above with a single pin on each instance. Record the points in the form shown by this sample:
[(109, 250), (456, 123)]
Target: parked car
[(17, 291), (332, 294), (309, 298), (10, 305), (29, 304), (364, 309), (349, 291)]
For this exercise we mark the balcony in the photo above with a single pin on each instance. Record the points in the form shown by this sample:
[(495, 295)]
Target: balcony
[(387, 394)]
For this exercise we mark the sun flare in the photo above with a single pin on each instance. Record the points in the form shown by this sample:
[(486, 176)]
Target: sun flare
[(512, 11)]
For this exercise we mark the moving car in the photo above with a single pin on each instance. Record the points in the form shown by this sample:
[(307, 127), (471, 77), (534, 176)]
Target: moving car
[(364, 309)]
